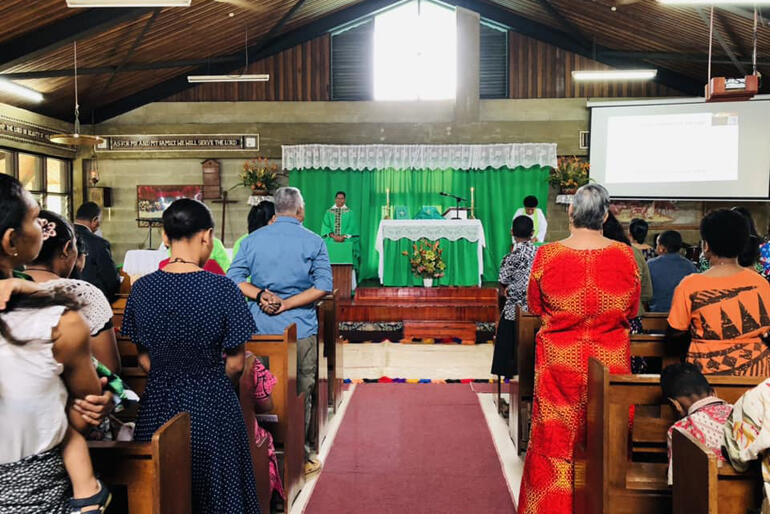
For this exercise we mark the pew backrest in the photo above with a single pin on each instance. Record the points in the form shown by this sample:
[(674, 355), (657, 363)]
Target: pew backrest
[(619, 481), (260, 458), (156, 474), (280, 352), (703, 486)]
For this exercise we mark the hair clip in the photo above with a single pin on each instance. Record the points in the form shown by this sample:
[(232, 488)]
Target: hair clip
[(49, 230)]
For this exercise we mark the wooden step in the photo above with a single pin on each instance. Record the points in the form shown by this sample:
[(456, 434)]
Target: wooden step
[(420, 329)]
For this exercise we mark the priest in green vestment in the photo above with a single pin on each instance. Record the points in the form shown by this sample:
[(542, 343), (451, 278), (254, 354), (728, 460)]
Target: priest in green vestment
[(341, 233)]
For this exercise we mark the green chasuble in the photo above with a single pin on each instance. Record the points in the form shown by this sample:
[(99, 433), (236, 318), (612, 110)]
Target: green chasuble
[(342, 222)]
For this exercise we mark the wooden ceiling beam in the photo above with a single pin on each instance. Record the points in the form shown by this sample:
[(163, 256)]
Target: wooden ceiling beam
[(569, 27), (546, 34), (145, 29), (256, 52), (53, 36), (718, 36)]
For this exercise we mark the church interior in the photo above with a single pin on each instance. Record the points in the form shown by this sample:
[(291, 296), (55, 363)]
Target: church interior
[(384, 256)]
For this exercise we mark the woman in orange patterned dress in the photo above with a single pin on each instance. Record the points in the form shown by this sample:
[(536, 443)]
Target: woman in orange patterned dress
[(585, 289)]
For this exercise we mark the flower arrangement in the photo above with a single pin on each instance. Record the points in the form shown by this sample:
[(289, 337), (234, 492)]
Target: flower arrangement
[(569, 174), (259, 175), (426, 259)]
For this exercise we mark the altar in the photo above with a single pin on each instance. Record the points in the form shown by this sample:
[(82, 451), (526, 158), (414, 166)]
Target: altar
[(463, 243)]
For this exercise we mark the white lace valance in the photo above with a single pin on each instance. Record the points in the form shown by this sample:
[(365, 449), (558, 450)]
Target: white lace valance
[(377, 157), (471, 230)]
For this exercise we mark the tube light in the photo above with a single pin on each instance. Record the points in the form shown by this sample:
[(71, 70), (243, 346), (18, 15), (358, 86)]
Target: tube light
[(228, 78), (6, 86), (595, 75), (128, 3), (716, 3)]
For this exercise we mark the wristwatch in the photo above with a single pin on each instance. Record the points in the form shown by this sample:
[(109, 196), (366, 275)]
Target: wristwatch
[(258, 299)]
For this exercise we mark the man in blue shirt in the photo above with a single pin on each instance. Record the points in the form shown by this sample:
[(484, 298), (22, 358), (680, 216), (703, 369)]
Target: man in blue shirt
[(667, 270), (290, 271)]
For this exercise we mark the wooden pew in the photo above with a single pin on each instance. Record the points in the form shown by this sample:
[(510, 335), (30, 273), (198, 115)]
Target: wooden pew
[(650, 345), (705, 485), (333, 348), (655, 322), (523, 390), (320, 417), (280, 352), (259, 452), (156, 474), (328, 391), (622, 470)]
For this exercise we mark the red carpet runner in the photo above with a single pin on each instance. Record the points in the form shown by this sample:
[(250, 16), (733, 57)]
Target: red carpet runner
[(406, 448)]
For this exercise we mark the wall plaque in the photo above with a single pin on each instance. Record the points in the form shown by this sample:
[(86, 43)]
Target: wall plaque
[(179, 143)]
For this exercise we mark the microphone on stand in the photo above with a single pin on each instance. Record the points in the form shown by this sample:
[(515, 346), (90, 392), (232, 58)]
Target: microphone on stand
[(458, 199)]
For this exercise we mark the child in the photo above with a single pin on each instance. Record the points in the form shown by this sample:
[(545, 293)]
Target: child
[(703, 414), (536, 215), (514, 278)]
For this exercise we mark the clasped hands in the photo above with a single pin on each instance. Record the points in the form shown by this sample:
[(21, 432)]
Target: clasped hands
[(339, 239), (271, 303)]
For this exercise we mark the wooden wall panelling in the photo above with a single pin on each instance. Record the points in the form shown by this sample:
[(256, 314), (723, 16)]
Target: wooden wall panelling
[(300, 73), (539, 70)]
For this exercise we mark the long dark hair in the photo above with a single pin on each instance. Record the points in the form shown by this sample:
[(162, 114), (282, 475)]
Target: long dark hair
[(750, 253), (13, 209), (612, 229), (260, 215)]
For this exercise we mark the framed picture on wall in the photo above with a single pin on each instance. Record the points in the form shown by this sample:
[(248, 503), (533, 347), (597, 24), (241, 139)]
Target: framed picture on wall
[(151, 201), (660, 214)]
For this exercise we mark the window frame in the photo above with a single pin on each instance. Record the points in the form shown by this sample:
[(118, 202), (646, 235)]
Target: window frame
[(43, 191)]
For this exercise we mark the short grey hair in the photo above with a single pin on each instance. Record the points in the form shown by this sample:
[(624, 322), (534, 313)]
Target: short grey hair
[(589, 206), (288, 200)]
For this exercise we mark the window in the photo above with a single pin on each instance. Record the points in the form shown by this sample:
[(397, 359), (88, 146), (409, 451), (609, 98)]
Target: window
[(493, 67), (409, 52), (48, 179), (6, 162), (415, 52)]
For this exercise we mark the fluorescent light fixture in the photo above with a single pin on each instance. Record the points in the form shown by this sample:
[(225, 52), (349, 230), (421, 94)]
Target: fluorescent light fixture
[(595, 75), (716, 3), (263, 77), (128, 3), (6, 86)]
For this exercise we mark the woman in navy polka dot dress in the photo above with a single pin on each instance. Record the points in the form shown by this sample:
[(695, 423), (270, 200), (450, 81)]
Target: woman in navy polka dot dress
[(190, 326)]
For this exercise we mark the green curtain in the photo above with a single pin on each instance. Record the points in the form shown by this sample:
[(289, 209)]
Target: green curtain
[(498, 193)]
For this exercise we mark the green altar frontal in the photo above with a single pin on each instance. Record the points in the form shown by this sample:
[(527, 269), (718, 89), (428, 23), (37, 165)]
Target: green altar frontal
[(462, 241)]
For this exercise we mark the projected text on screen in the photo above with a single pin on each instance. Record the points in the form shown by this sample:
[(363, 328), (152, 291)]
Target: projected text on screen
[(672, 148)]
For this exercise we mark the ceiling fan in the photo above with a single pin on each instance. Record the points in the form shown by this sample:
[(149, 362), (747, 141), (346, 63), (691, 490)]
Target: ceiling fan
[(244, 4)]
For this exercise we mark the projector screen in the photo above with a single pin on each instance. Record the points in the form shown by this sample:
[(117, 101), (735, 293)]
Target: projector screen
[(683, 150)]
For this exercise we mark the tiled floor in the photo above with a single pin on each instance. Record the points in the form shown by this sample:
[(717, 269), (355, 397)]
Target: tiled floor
[(433, 361)]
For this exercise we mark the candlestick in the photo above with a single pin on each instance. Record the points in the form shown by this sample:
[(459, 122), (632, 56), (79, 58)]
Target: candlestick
[(387, 203), (473, 203)]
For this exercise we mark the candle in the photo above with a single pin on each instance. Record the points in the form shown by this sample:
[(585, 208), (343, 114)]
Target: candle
[(473, 203), (387, 196)]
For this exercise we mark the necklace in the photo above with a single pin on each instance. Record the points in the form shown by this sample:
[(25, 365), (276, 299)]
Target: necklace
[(179, 259)]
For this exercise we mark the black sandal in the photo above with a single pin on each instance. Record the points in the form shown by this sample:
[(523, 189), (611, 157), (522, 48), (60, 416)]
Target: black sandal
[(100, 500)]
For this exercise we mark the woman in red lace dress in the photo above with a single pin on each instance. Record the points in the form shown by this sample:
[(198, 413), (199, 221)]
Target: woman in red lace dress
[(585, 289)]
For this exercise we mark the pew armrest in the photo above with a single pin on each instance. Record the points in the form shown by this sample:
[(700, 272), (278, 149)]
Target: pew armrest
[(695, 475)]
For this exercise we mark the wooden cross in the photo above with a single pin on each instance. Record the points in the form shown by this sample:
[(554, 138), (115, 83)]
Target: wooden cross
[(224, 201)]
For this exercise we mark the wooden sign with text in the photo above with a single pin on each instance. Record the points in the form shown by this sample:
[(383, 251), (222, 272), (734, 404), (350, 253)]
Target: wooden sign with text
[(180, 143), (25, 132)]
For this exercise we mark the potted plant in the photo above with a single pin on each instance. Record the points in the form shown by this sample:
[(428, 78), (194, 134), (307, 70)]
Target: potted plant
[(260, 176), (426, 261), (569, 174)]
